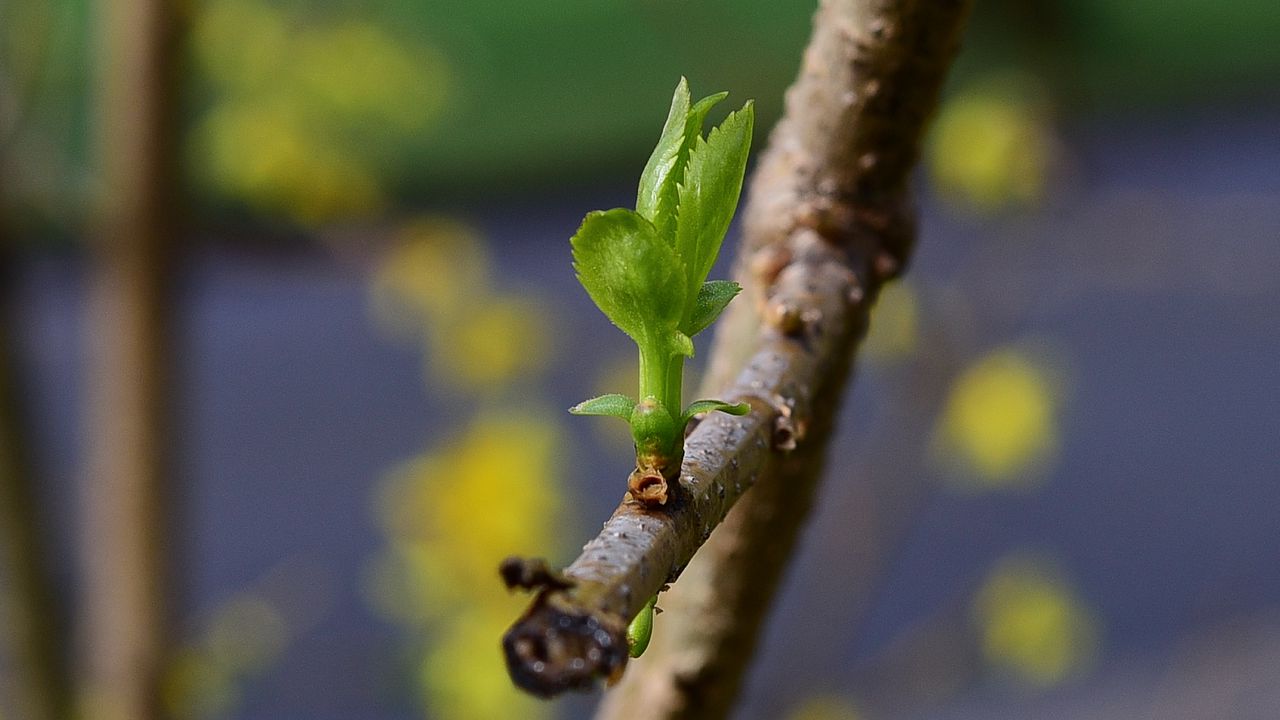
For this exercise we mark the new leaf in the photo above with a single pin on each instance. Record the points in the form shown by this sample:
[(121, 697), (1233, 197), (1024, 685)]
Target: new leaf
[(659, 183), (632, 274), (708, 195), (698, 407), (613, 405), (713, 298), (664, 167)]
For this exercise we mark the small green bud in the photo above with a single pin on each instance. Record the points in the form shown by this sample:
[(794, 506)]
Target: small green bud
[(640, 631), (653, 429)]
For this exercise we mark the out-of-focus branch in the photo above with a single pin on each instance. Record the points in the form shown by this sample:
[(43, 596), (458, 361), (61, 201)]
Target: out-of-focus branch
[(34, 616), (838, 165), (127, 622), (828, 221)]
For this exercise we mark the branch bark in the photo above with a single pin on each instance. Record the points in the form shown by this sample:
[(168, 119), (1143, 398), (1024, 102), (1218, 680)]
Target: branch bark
[(126, 626), (828, 221)]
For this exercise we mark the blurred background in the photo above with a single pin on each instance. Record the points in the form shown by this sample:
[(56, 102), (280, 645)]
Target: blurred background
[(1054, 492)]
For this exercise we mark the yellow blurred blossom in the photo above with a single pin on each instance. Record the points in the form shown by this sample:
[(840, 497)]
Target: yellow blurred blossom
[(498, 339), (434, 283), (451, 516), (197, 686), (307, 108), (999, 424), (616, 375), (1033, 627), (895, 324), (268, 152), (478, 499), (991, 146), (428, 275), (453, 513), (243, 638), (247, 633), (238, 44), (464, 673), (357, 70)]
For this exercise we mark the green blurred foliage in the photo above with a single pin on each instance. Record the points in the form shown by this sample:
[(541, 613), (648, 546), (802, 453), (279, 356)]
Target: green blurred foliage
[(1107, 55), (307, 112), (329, 114), (548, 91), (44, 116), (315, 110), (1143, 52)]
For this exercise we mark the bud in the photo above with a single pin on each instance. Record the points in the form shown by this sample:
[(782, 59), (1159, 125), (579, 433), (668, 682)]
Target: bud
[(654, 430)]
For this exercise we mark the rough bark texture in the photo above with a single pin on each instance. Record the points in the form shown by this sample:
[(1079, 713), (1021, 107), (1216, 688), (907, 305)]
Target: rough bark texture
[(126, 625), (828, 221)]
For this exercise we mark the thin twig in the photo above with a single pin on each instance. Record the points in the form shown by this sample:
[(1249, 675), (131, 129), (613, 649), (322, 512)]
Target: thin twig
[(828, 221)]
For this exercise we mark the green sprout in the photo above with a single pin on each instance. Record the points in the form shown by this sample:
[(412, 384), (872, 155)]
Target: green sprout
[(641, 629), (647, 268)]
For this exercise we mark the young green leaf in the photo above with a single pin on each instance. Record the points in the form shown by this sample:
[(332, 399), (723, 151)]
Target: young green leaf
[(709, 194), (669, 199), (662, 168), (633, 276), (613, 405), (659, 183), (697, 116), (705, 406), (712, 299)]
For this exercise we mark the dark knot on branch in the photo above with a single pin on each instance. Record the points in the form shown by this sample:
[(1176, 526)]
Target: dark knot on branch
[(531, 574), (553, 649)]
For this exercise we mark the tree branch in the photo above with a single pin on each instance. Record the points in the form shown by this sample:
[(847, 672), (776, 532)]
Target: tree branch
[(828, 221), (126, 621)]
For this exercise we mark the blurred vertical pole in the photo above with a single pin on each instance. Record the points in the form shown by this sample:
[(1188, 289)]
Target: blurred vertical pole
[(32, 614), (126, 623)]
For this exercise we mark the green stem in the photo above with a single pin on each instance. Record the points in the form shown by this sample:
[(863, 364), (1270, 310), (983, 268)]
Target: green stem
[(675, 387), (661, 375), (653, 376)]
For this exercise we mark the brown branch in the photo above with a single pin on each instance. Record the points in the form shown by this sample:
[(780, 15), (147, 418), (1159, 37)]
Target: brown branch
[(828, 221), (127, 623)]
